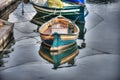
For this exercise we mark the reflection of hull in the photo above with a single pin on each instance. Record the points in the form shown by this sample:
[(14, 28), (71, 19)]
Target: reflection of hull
[(6, 34), (59, 55)]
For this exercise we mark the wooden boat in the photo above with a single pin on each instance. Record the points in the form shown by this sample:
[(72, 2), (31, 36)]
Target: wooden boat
[(59, 55), (70, 10), (59, 40), (6, 34), (60, 25)]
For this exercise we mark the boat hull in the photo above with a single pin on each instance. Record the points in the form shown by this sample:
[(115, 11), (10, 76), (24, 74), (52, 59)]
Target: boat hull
[(72, 12)]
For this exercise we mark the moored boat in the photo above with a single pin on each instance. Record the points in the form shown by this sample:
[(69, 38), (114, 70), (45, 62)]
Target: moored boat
[(61, 25), (69, 10)]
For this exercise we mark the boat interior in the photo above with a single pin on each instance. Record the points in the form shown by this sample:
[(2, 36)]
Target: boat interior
[(59, 25)]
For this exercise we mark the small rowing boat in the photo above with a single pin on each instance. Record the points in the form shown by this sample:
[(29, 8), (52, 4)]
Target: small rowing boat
[(61, 25)]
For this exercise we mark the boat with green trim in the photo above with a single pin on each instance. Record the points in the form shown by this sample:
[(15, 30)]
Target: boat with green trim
[(59, 55), (69, 10)]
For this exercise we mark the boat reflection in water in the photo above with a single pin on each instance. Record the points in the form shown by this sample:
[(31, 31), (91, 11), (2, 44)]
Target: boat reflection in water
[(59, 41), (67, 49), (59, 55)]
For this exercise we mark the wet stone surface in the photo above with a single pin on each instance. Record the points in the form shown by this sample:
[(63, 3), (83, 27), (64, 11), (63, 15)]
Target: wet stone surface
[(98, 61)]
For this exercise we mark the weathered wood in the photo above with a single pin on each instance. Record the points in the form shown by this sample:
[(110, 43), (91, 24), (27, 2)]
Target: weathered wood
[(6, 7), (6, 37)]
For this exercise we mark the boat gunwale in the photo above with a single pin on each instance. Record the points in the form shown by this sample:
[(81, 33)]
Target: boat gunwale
[(71, 10)]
